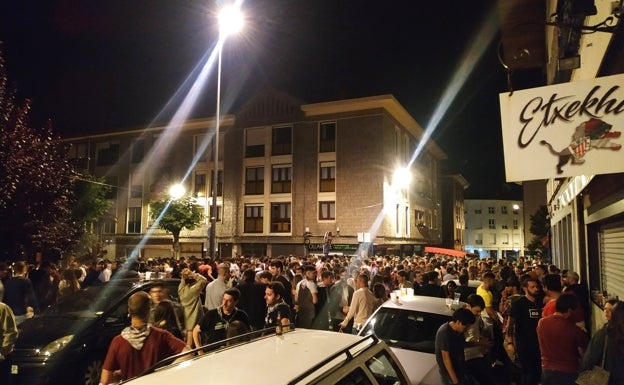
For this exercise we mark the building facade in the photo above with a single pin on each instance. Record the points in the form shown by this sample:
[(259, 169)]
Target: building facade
[(586, 211), (453, 207), (357, 175), (494, 228)]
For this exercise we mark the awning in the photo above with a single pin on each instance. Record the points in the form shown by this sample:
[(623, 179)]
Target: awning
[(451, 252)]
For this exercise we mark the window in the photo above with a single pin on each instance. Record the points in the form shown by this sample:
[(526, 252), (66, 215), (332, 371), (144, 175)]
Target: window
[(211, 211), (111, 184), (503, 209), (253, 218), (254, 143), (477, 211), (136, 191), (78, 155), (138, 150), (491, 210), (200, 185), (107, 153), (419, 218), (254, 181), (384, 369), (134, 220), (492, 238), (327, 175), (108, 226), (504, 227), (280, 217), (355, 377), (77, 151), (219, 182), (327, 137), (200, 142), (515, 224), (516, 211), (327, 210), (280, 179), (491, 223), (504, 239), (281, 140)]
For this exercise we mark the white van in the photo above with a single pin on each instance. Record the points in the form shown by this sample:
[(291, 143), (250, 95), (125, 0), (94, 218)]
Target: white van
[(296, 357)]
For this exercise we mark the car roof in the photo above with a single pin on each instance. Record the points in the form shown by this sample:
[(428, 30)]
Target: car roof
[(421, 303), (271, 360)]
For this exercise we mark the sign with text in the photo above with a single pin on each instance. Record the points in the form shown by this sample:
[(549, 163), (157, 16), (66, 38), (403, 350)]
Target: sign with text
[(564, 130)]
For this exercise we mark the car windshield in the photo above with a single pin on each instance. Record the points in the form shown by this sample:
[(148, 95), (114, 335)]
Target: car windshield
[(406, 329), (90, 302)]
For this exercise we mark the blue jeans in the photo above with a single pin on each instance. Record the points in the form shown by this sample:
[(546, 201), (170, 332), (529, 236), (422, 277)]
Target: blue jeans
[(446, 380), (554, 377)]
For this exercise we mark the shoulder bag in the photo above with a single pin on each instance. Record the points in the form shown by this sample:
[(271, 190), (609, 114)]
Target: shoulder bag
[(597, 375)]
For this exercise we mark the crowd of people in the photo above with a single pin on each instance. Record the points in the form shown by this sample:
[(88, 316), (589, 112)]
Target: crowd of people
[(521, 314)]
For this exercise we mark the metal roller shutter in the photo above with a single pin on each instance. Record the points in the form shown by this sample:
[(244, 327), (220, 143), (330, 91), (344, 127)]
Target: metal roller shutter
[(612, 258)]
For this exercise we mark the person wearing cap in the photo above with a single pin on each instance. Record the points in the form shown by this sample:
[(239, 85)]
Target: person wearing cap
[(216, 288)]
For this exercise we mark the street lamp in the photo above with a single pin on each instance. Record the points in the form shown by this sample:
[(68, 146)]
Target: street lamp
[(177, 191), (230, 22)]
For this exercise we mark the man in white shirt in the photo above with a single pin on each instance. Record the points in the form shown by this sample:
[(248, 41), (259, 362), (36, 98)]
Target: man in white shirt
[(216, 288), (362, 305)]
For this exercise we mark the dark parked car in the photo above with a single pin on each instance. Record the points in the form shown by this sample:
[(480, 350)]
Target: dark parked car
[(66, 344)]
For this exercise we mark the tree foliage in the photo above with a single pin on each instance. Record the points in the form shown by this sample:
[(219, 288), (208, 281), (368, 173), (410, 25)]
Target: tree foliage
[(35, 194), (44, 205), (173, 215), (89, 208), (540, 228)]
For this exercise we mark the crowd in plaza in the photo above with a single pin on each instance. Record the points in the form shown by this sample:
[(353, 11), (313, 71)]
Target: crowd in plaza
[(524, 321)]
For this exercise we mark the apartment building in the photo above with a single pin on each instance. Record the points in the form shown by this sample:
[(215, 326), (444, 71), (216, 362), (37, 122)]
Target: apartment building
[(494, 228), (291, 177)]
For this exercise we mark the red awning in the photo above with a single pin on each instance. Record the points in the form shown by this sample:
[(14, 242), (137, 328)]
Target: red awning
[(451, 252)]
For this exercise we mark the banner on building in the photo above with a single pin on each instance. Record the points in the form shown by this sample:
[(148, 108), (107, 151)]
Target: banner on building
[(564, 130)]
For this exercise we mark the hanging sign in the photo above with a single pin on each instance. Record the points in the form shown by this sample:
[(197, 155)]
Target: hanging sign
[(564, 130)]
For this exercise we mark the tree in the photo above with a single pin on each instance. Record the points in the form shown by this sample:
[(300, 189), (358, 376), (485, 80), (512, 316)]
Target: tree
[(89, 208), (173, 215), (35, 180), (540, 228)]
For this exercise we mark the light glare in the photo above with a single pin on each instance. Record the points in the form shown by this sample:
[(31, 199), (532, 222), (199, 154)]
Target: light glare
[(230, 21), (177, 191)]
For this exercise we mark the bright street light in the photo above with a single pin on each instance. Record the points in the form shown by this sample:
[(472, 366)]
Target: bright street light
[(177, 191), (230, 21), (515, 206), (402, 178)]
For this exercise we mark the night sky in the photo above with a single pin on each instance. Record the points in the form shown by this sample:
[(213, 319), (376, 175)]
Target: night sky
[(101, 65)]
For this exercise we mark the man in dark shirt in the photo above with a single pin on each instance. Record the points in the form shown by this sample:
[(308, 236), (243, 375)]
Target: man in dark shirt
[(278, 311), (19, 293), (449, 347), (252, 299), (432, 287), (521, 337), (213, 325), (323, 315), (276, 267)]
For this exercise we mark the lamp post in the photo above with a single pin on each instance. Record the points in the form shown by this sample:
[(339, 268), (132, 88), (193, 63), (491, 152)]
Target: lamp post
[(230, 21)]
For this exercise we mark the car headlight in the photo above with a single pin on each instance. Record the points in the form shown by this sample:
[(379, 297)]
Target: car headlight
[(56, 345)]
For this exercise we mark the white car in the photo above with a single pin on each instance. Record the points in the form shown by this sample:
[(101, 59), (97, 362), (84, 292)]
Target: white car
[(409, 327), (295, 357)]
